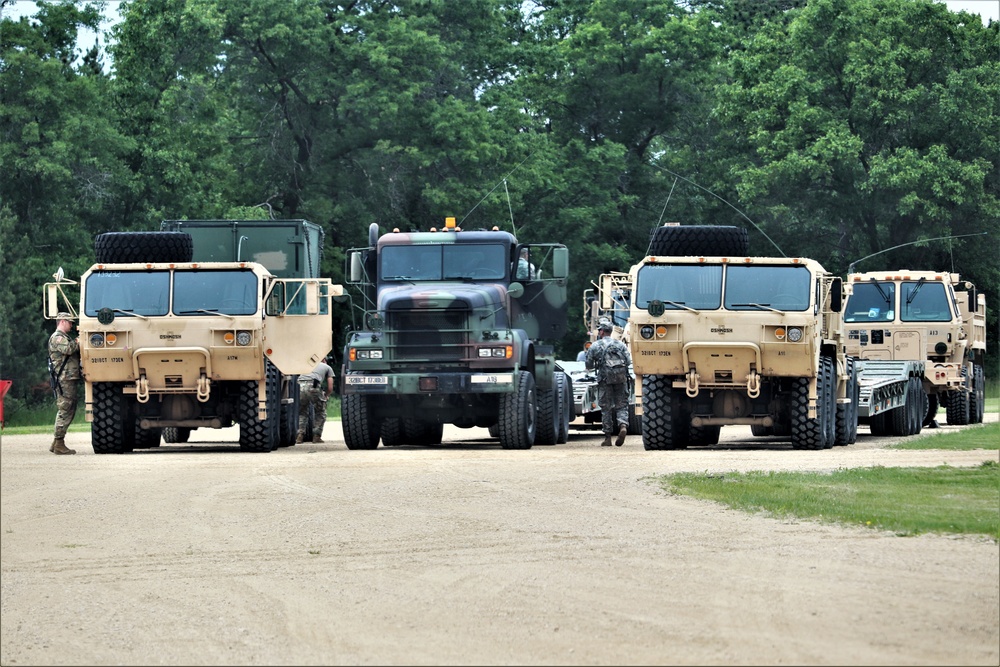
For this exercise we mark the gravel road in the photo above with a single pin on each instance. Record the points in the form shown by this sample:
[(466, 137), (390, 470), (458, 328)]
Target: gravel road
[(199, 554)]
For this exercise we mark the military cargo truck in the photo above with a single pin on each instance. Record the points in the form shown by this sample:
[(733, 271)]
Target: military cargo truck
[(174, 336), (928, 325), (718, 338), (458, 329)]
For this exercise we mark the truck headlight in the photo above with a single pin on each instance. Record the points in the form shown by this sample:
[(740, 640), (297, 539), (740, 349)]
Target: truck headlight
[(243, 338), (794, 334), (646, 331), (97, 339), (369, 354), (495, 352)]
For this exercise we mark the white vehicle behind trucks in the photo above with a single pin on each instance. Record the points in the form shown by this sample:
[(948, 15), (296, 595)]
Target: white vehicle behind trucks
[(171, 342), (610, 303), (720, 338), (928, 325)]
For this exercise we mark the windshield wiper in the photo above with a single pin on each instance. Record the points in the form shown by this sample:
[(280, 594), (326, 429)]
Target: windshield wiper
[(680, 304), (881, 291), (130, 313), (913, 294), (208, 311), (762, 306)]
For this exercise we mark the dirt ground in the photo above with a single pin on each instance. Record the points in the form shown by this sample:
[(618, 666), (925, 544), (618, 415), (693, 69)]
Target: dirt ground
[(199, 554)]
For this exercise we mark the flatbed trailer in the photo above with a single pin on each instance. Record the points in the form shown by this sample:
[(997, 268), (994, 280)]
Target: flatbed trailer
[(891, 398)]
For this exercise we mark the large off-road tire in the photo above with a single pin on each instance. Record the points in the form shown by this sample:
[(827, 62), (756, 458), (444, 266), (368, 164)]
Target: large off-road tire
[(901, 420), (761, 431), (847, 413), (661, 420), (829, 367), (958, 407), (494, 431), (704, 435), (549, 416), (564, 385), (977, 399), (881, 424), (932, 408), (807, 433), (421, 433), (700, 240), (391, 432), (113, 428), (289, 427), (634, 421), (132, 247), (147, 438), (260, 435), (361, 429), (518, 414)]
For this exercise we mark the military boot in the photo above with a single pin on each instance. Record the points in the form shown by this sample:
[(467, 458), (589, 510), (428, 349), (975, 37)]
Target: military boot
[(59, 447), (316, 438), (299, 438), (622, 432), (607, 441)]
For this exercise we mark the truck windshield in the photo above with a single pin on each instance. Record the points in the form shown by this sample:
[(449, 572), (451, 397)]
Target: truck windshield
[(871, 301), (921, 301), (763, 287), (128, 292), (679, 287), (414, 263), (230, 292)]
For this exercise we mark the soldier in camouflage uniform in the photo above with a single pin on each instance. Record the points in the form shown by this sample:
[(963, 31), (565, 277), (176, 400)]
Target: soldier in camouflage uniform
[(314, 390), (612, 398), (64, 355)]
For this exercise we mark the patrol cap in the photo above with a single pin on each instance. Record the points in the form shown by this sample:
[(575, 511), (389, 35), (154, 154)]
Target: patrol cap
[(606, 326), (64, 316)]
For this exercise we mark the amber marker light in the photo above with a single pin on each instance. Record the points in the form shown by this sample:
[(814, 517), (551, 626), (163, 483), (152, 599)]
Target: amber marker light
[(229, 337), (779, 333), (110, 339)]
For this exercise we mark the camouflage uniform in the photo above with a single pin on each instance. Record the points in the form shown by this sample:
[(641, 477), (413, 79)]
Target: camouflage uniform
[(62, 349), (312, 391), (611, 398)]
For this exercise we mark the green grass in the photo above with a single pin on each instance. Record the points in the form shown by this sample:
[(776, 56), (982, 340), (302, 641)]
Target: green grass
[(981, 436), (906, 501)]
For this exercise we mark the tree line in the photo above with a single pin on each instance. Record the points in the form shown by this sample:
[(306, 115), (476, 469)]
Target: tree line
[(831, 129)]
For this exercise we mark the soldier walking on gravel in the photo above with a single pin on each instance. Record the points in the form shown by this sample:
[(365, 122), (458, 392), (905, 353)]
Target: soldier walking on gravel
[(314, 390), (611, 359), (64, 375)]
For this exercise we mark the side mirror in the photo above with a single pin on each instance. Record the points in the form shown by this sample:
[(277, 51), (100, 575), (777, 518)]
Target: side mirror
[(836, 295), (560, 262), (515, 290), (357, 267), (973, 298)]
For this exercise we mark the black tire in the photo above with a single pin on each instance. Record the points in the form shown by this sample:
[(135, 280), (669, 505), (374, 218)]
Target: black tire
[(147, 438), (494, 431), (958, 407), (634, 421), (260, 435), (391, 432), (707, 240), (932, 409), (977, 399), (421, 433), (170, 434), (518, 414), (829, 368), (289, 429), (661, 415), (549, 416), (847, 413), (132, 247), (564, 385), (111, 431), (881, 424), (806, 433), (705, 435), (761, 431), (361, 430)]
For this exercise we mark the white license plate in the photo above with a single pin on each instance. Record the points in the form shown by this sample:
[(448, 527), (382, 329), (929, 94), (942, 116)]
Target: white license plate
[(502, 378), (366, 379)]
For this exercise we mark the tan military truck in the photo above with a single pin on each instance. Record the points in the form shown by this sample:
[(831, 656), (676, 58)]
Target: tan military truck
[(167, 341), (720, 338), (898, 318)]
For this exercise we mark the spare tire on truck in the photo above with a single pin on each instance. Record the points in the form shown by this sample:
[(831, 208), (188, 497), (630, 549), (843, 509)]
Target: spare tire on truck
[(132, 247), (709, 240)]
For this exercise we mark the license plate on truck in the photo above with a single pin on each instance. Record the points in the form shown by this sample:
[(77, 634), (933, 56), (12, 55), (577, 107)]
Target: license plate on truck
[(502, 378), (367, 379)]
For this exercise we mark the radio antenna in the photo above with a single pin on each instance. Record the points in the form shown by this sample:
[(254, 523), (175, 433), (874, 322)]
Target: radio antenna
[(850, 269)]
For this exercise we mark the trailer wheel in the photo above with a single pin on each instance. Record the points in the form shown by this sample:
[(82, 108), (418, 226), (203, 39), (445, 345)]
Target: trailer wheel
[(172, 434), (111, 431), (661, 422), (361, 430), (131, 247), (712, 240), (847, 413), (146, 438), (260, 435), (977, 399), (518, 413), (289, 427), (705, 435), (807, 433), (932, 409)]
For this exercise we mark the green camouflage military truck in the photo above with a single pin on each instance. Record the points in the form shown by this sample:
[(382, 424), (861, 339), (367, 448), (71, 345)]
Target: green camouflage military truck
[(458, 329), (194, 327)]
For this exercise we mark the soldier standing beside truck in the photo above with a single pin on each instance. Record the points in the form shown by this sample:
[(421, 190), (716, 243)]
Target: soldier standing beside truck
[(314, 390), (64, 371), (610, 358)]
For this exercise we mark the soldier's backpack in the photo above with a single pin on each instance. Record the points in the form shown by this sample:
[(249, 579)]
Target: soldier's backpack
[(615, 363)]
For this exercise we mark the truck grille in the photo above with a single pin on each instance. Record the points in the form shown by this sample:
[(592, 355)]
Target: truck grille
[(439, 335)]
